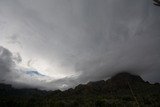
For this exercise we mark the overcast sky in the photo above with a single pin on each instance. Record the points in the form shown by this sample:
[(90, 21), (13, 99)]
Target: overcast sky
[(57, 44)]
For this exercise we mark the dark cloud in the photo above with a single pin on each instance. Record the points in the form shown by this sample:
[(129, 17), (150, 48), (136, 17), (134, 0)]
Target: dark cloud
[(7, 65), (83, 40)]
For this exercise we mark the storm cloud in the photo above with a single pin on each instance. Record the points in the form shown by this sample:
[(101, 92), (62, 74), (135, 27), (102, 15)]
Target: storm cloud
[(76, 41), (7, 65)]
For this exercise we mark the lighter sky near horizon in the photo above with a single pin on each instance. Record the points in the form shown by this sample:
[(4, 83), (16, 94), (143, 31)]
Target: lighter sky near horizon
[(75, 41)]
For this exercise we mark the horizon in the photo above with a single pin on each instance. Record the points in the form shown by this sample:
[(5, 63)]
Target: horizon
[(113, 79)]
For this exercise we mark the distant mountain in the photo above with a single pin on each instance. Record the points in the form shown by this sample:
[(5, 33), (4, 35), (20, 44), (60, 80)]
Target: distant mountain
[(121, 90), (119, 81)]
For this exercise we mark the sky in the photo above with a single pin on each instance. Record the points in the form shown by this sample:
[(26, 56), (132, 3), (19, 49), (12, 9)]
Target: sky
[(58, 44)]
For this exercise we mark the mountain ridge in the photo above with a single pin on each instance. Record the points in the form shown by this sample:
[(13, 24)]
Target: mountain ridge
[(121, 89)]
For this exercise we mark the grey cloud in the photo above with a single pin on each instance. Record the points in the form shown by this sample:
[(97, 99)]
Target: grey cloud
[(11, 75), (14, 39), (97, 38), (6, 65)]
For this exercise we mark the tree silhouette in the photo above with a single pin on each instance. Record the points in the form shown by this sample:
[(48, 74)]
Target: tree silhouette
[(156, 2)]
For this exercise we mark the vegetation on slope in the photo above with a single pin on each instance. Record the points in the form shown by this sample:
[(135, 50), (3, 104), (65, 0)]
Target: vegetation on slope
[(121, 90)]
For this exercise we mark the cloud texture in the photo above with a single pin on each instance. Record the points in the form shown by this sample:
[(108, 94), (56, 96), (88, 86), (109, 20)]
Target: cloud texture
[(76, 41)]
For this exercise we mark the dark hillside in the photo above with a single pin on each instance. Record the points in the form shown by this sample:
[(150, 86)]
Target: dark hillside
[(121, 90)]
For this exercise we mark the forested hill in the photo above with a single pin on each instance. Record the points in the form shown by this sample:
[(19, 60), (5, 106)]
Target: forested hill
[(123, 89)]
